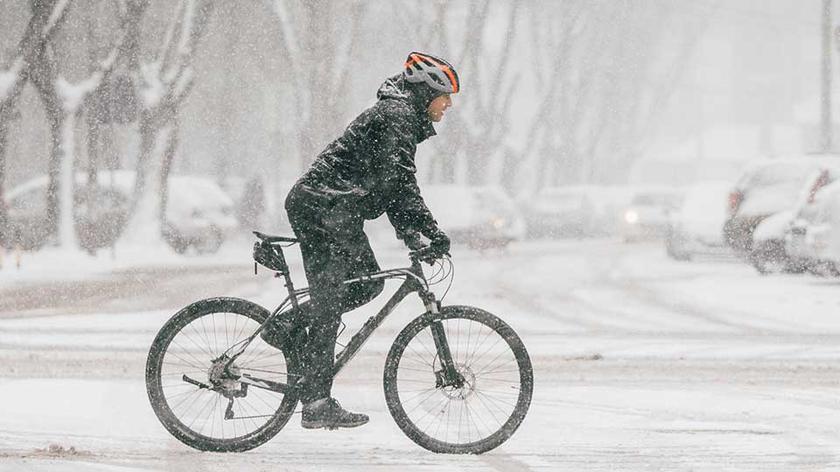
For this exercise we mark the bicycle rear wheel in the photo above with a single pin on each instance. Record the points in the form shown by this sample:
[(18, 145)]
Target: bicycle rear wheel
[(493, 400), (207, 401)]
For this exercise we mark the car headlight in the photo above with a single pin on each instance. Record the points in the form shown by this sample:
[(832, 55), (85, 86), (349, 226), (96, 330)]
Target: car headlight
[(631, 217), (498, 223)]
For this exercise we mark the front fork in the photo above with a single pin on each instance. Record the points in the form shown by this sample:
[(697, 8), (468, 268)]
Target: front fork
[(448, 375)]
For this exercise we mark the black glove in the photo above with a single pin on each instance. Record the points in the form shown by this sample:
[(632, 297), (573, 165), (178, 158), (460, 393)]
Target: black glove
[(440, 243), (413, 241), (425, 254)]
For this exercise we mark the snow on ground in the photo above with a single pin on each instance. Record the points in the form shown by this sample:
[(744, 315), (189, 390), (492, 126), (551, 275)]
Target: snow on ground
[(641, 363), (57, 264)]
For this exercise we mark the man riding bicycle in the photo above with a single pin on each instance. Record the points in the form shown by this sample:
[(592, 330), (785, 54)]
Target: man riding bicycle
[(366, 172)]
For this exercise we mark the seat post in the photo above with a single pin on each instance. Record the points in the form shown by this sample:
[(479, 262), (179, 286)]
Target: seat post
[(289, 286)]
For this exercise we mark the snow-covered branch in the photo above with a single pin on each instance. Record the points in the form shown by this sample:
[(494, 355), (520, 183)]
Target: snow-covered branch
[(164, 85), (288, 36), (73, 96), (9, 77), (46, 17)]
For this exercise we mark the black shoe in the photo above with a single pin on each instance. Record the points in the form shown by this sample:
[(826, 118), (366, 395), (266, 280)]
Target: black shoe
[(327, 413)]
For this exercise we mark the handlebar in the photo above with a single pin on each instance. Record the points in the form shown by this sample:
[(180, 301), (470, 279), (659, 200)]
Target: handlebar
[(427, 254)]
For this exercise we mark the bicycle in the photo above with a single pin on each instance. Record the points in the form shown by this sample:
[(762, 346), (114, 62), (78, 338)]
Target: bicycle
[(457, 379)]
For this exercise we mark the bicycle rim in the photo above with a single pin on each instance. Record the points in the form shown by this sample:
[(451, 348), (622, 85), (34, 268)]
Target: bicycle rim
[(230, 415), (473, 418)]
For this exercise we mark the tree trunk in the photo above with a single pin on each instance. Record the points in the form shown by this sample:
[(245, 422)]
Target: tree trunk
[(47, 15), (4, 141), (169, 88), (95, 145), (145, 226), (166, 168), (54, 172), (65, 156)]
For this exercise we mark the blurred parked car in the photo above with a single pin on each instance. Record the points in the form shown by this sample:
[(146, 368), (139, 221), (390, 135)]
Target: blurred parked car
[(199, 214), (480, 217), (764, 189), (560, 212), (764, 204), (813, 236), (696, 227), (99, 214), (823, 236), (647, 215), (577, 211)]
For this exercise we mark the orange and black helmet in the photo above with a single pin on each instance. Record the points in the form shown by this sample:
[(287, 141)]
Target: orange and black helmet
[(433, 71)]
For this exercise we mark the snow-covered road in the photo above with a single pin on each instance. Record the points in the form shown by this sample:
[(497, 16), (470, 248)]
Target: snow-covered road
[(641, 363)]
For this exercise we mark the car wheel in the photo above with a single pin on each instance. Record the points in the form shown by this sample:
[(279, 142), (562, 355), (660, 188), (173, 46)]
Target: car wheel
[(770, 258), (822, 269), (674, 249), (796, 266)]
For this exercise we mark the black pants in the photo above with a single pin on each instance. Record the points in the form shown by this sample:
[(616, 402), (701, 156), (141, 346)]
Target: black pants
[(335, 248)]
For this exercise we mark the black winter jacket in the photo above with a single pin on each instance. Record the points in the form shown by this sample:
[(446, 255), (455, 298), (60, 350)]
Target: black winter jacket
[(370, 169)]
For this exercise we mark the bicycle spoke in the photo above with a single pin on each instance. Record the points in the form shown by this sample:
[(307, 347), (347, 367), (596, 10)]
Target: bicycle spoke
[(206, 338), (495, 401), (215, 337), (490, 410), (498, 339), (203, 349), (198, 364), (425, 398), (487, 367)]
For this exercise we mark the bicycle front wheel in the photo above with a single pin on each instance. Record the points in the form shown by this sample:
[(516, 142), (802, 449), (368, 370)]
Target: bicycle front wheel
[(206, 399), (489, 405)]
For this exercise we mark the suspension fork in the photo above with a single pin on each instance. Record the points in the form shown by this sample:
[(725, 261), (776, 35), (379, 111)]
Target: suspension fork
[(448, 375)]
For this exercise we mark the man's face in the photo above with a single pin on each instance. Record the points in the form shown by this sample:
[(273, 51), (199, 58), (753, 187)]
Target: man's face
[(438, 107)]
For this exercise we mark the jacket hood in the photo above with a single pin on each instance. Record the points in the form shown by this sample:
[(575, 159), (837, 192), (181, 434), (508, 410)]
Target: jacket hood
[(417, 95), (393, 87)]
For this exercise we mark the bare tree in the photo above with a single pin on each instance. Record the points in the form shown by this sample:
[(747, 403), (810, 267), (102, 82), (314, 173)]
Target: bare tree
[(552, 40), (602, 76), (47, 15), (164, 85), (64, 102), (483, 123), (319, 53)]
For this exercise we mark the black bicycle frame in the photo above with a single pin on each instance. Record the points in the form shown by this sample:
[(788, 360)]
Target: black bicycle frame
[(415, 281)]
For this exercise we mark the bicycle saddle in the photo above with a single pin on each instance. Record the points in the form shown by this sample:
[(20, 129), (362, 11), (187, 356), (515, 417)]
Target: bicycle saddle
[(274, 239)]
